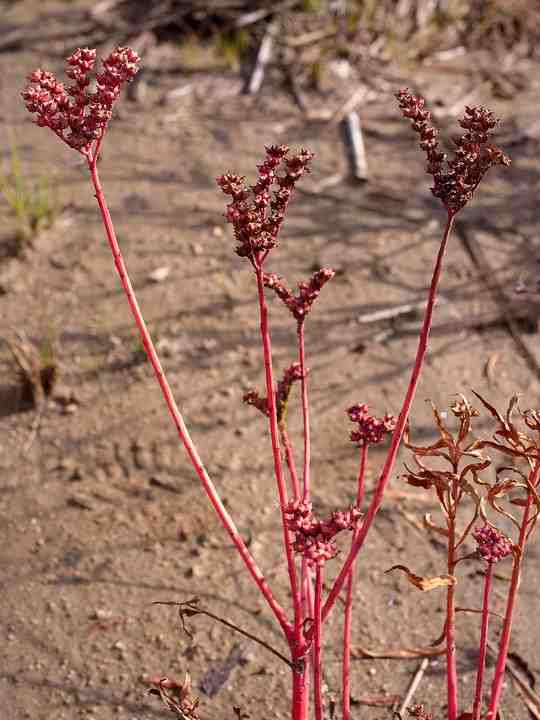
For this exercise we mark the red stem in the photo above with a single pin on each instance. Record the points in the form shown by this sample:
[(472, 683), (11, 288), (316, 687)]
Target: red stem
[(309, 611), (305, 412), (296, 638), (477, 706), (361, 491), (289, 459), (317, 636), (300, 692), (451, 669), (346, 670), (347, 619), (176, 416), (496, 688), (400, 426)]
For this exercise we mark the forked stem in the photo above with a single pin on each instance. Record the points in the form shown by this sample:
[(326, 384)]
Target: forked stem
[(211, 491), (296, 637), (400, 425)]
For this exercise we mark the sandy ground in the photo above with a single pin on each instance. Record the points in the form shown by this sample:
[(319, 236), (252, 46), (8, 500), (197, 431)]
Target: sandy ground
[(101, 513)]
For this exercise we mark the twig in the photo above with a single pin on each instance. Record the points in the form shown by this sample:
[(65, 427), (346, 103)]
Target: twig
[(264, 55), (293, 87), (253, 17), (349, 105), (309, 38), (398, 654), (351, 130), (191, 607), (36, 424), (395, 311), (414, 685)]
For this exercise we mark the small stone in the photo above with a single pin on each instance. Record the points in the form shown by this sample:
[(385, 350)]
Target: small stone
[(81, 502), (63, 395), (208, 344), (164, 483), (196, 249), (59, 262), (159, 274), (76, 475)]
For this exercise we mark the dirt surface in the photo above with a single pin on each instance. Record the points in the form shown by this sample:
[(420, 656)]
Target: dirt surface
[(101, 513)]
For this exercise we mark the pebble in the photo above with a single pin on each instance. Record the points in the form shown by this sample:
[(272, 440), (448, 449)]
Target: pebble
[(82, 502), (159, 274), (208, 344)]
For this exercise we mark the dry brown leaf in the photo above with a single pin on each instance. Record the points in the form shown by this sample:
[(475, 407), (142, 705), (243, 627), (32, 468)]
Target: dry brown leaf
[(376, 700), (426, 584)]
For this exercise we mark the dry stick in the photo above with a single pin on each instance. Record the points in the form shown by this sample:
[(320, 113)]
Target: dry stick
[(354, 143), (305, 411), (496, 688), (347, 619), (349, 105), (191, 608), (400, 426), (295, 639), (175, 413), (264, 55), (250, 18), (488, 581), (392, 312), (413, 686)]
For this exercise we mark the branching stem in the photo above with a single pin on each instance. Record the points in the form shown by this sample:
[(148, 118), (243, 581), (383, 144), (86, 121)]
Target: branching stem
[(400, 425), (209, 487)]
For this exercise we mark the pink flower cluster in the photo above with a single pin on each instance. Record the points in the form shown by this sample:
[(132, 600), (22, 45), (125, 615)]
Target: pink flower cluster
[(79, 117), (492, 544), (371, 430), (301, 304), (257, 213), (419, 712), (315, 539), (292, 374), (455, 179)]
